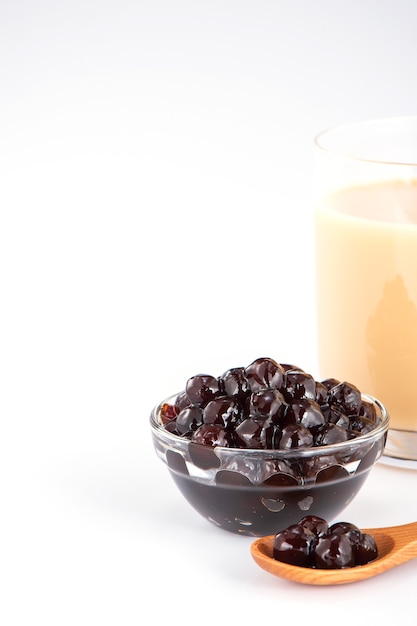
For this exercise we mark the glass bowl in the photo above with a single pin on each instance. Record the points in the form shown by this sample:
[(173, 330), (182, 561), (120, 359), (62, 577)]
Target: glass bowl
[(258, 492)]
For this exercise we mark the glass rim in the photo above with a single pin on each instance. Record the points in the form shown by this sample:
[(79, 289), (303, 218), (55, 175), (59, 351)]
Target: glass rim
[(278, 453), (349, 154)]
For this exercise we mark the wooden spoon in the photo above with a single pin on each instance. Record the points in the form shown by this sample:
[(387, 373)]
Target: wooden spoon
[(396, 545)]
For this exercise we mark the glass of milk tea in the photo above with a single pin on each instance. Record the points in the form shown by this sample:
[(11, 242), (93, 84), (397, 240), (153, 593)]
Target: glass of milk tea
[(366, 267)]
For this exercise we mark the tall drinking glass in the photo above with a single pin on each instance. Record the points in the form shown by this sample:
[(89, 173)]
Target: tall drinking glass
[(366, 267)]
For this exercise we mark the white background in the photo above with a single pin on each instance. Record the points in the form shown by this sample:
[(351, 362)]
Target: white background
[(155, 203)]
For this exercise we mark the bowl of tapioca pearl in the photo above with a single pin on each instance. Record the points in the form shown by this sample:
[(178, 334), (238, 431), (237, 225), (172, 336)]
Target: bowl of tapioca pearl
[(259, 446)]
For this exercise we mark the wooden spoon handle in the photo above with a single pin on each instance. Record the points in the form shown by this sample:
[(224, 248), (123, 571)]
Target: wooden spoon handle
[(404, 536)]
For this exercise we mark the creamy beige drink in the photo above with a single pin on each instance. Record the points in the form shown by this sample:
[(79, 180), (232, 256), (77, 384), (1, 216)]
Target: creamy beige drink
[(366, 251)]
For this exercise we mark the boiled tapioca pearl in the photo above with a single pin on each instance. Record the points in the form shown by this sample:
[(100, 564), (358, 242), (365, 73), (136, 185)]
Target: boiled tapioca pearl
[(202, 388), (364, 545), (307, 413), (284, 468), (294, 545), (361, 425), (171, 427), (204, 456), (189, 419), (168, 412), (347, 397), (267, 403), (281, 479), (333, 551), (222, 410), (235, 384), (330, 434), (368, 411), (211, 435), (264, 372), (321, 393), (248, 434), (298, 385), (232, 479), (346, 528), (182, 401), (295, 436), (330, 382), (331, 474), (335, 415), (365, 549), (176, 462), (316, 524)]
